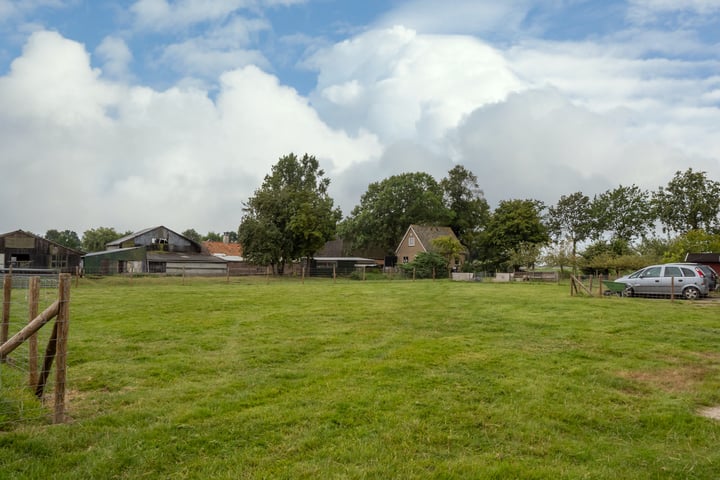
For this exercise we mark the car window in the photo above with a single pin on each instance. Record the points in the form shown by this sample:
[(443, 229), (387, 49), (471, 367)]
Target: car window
[(688, 272), (636, 274), (652, 272), (672, 272)]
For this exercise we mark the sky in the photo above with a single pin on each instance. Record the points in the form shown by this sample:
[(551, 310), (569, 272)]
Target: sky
[(132, 114)]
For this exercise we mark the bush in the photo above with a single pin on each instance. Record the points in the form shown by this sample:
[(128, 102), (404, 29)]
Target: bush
[(424, 265)]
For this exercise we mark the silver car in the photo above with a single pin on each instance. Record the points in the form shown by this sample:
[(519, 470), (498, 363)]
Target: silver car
[(683, 279)]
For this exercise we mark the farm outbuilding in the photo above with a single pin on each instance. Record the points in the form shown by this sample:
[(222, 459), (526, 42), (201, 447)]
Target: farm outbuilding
[(121, 260), (25, 251), (709, 259), (341, 266), (157, 250)]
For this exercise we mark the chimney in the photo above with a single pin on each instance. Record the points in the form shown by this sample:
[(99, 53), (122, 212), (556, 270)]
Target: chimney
[(226, 238)]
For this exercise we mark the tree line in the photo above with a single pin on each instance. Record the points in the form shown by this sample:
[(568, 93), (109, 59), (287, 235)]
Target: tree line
[(291, 216)]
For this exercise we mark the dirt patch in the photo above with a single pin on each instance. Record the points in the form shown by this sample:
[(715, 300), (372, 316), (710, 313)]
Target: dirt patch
[(678, 379), (710, 412)]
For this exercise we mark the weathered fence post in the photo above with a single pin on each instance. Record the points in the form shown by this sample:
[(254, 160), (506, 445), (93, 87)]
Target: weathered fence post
[(63, 327), (7, 296), (33, 301)]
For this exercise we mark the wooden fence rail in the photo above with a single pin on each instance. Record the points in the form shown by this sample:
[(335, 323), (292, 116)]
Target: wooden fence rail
[(57, 344)]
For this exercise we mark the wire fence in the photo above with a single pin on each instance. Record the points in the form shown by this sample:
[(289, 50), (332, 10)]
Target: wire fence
[(26, 395)]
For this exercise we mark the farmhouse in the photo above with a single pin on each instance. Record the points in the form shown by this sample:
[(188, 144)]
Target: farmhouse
[(418, 239), (155, 250), (25, 251)]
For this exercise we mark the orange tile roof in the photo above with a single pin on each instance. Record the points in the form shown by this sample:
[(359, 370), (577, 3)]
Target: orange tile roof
[(232, 249)]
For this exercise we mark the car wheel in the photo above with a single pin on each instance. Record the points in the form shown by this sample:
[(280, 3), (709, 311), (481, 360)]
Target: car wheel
[(691, 293), (628, 292)]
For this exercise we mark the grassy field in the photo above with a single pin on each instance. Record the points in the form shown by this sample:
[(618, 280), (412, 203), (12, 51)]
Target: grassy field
[(377, 379)]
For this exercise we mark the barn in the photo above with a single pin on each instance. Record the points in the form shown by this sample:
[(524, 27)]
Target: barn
[(26, 252), (155, 250)]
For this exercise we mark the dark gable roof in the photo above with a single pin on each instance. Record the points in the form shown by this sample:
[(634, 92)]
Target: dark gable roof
[(124, 239), (703, 257), (30, 234), (425, 234)]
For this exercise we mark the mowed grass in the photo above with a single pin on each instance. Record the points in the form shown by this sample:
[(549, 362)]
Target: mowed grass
[(377, 379)]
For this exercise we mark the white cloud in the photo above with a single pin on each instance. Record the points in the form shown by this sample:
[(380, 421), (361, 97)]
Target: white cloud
[(116, 57), (649, 11), (194, 57), (402, 85), (461, 16), (16, 8), (159, 15), (94, 153), (539, 145), (52, 82)]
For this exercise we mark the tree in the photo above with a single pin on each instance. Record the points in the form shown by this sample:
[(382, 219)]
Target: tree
[(625, 213), (690, 201), (513, 223), (449, 247), (559, 254), (690, 242), (67, 238), (525, 254), (388, 207), (571, 218), (192, 235), (468, 208), (213, 237), (290, 216), (95, 239)]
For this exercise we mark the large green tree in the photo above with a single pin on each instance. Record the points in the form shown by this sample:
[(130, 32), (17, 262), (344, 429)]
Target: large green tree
[(512, 226), (388, 207), (571, 219), (94, 240), (469, 211), (192, 234), (690, 201), (290, 216), (66, 238), (625, 213)]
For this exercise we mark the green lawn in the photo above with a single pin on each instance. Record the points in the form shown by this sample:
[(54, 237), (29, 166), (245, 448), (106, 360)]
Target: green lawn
[(376, 379)]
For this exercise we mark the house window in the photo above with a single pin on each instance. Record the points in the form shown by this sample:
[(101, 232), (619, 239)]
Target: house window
[(406, 260), (411, 241)]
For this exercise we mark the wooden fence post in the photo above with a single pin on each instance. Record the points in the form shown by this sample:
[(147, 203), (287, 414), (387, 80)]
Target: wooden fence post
[(7, 296), (33, 301), (63, 327)]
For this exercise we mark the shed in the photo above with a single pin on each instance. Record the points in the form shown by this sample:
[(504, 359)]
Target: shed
[(709, 259), (120, 260), (25, 251), (325, 266)]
